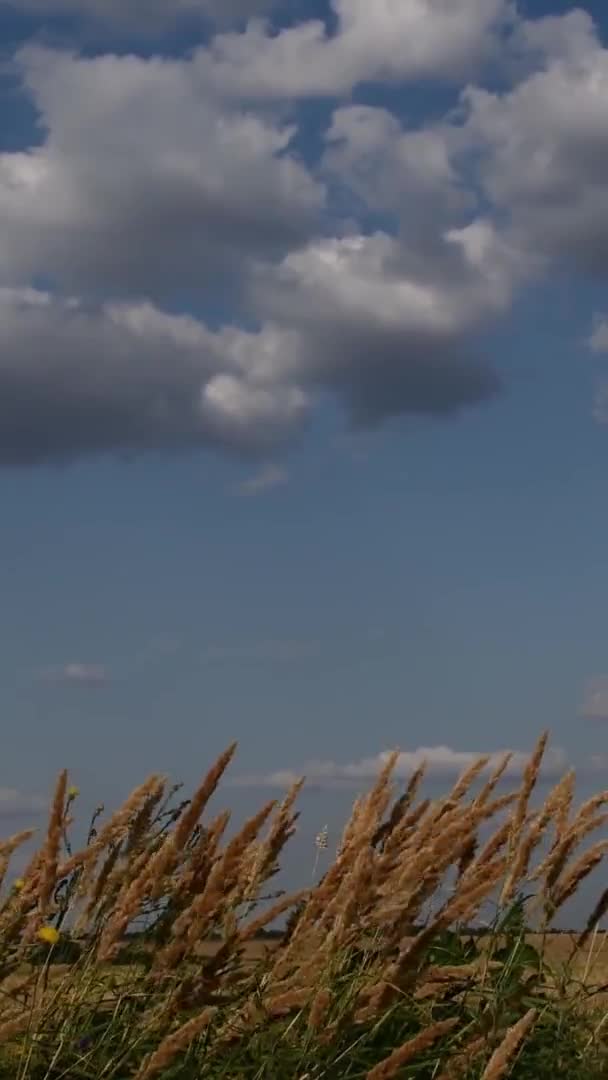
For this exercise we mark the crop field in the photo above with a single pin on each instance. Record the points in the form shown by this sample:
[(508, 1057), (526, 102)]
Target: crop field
[(147, 952)]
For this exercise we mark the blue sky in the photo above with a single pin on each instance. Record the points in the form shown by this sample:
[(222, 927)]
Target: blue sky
[(303, 335)]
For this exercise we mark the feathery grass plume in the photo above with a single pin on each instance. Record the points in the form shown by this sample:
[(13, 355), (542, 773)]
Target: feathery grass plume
[(193, 876), (458, 1067), (281, 830), (394, 841), (8, 848), (351, 826), (353, 899), (52, 845), (580, 869), (393, 1063), (490, 849), (552, 866), (402, 871), (595, 917), (174, 1043), (494, 778), (467, 856), (319, 1009), (194, 921), (466, 778), (164, 861), (251, 929), (17, 1026), (206, 789), (368, 810), (588, 808), (285, 1003), (556, 805), (377, 801), (136, 889), (400, 807), (463, 905), (424, 873), (114, 829), (142, 820), (564, 795), (528, 784), (504, 1054)]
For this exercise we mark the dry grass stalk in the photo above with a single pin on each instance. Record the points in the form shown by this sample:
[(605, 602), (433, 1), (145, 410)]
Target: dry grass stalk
[(467, 777), (50, 859), (319, 1009), (268, 851), (129, 901), (551, 867), (528, 783), (504, 1054), (401, 806), (17, 1026), (113, 830), (595, 917), (580, 869), (8, 848), (494, 778), (190, 926), (557, 807), (166, 858), (251, 929), (459, 1065), (391, 1065), (285, 1003), (174, 1043)]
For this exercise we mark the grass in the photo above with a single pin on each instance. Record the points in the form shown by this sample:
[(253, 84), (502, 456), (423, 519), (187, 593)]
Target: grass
[(141, 955)]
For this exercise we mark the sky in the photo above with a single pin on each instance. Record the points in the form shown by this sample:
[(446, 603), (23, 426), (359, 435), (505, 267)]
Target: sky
[(303, 391)]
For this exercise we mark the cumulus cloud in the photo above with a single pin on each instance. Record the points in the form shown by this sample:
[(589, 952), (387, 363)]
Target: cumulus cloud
[(542, 147), (266, 478), (389, 40), (74, 674), (142, 183), (77, 380), (178, 183), (386, 328), (442, 761)]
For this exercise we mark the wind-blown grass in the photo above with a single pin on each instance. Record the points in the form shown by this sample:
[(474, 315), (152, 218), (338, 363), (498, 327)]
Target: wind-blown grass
[(377, 974)]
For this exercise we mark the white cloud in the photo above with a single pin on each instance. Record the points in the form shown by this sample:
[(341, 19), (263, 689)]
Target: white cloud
[(143, 184), (541, 148), (598, 340), (266, 478), (77, 380), (408, 172), (75, 674), (598, 345), (388, 40), (15, 803), (154, 182), (389, 328), (442, 761), (594, 705)]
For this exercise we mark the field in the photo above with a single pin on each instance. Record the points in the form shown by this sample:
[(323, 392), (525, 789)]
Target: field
[(147, 952)]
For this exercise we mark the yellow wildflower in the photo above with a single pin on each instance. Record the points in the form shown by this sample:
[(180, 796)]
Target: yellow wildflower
[(18, 884), (48, 934), (73, 792)]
